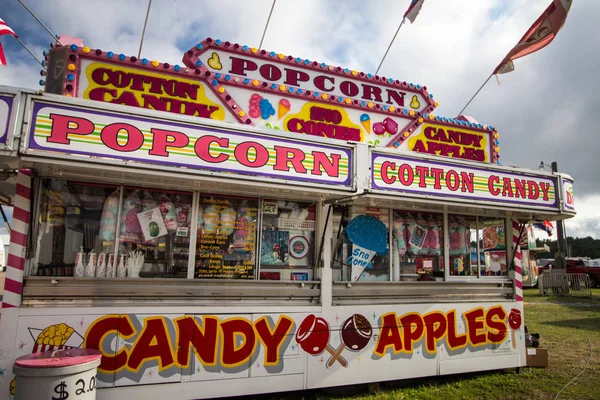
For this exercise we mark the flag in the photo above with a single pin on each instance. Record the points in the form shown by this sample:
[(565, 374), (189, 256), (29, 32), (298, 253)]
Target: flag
[(413, 10), (545, 226), (541, 33), (5, 30)]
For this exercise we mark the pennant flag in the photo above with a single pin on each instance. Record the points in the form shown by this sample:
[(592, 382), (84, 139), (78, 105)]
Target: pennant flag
[(413, 10), (5, 30), (541, 33)]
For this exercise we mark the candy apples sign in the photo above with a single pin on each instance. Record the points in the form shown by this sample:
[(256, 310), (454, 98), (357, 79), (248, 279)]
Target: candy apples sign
[(457, 141)]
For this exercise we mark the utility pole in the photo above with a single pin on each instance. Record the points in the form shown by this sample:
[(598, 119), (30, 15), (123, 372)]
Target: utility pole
[(559, 262)]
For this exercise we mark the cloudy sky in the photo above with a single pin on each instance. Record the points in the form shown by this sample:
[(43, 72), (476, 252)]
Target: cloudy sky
[(545, 110)]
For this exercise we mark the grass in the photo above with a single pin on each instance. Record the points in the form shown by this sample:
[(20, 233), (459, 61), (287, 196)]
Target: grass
[(567, 326)]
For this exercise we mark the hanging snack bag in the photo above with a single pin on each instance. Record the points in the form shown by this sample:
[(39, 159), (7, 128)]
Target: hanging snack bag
[(455, 237), (433, 237), (130, 225), (421, 230), (108, 219), (168, 213), (398, 235)]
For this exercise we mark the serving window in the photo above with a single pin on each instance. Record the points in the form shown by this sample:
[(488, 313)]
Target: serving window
[(226, 238), (477, 246)]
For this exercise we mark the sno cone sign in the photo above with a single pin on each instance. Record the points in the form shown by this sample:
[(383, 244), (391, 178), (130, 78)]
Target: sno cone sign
[(360, 260)]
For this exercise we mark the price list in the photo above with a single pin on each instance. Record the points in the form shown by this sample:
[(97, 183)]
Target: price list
[(226, 238)]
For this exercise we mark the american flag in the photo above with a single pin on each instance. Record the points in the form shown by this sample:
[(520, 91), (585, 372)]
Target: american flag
[(5, 30)]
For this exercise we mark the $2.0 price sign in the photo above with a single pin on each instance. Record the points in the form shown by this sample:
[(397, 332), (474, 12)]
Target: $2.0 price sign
[(63, 392)]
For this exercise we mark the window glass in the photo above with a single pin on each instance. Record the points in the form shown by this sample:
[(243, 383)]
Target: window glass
[(492, 242), (154, 234), (287, 241), (462, 233), (361, 250), (77, 226), (226, 242), (417, 246)]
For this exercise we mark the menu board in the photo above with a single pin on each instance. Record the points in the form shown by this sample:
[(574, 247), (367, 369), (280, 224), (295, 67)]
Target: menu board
[(226, 242)]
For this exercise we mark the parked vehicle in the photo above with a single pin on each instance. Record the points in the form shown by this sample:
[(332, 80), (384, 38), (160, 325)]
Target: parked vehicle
[(578, 265)]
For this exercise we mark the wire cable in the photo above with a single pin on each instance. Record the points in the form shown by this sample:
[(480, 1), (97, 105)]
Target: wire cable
[(582, 371), (266, 25)]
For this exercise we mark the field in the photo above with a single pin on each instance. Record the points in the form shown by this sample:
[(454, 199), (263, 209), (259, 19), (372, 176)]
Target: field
[(567, 327)]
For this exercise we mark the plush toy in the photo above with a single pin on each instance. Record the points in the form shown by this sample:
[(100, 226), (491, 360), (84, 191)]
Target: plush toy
[(398, 235)]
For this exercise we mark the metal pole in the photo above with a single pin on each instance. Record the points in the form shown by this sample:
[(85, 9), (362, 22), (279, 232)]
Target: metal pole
[(29, 51), (560, 233), (475, 95), (390, 46), (54, 37), (266, 25), (5, 219), (144, 30)]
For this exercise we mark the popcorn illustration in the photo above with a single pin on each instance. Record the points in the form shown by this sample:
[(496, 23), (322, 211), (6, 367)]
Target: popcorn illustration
[(55, 337)]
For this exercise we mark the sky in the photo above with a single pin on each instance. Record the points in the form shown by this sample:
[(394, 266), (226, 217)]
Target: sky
[(547, 109)]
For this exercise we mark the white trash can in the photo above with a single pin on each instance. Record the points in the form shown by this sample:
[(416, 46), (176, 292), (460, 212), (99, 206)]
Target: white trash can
[(57, 374)]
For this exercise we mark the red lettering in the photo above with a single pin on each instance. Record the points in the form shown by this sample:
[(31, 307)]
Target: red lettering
[(371, 93), (435, 326), (64, 125), (389, 335), (127, 98), (270, 72), (233, 355), (99, 94), (520, 188), (239, 66), (545, 187), (292, 77), (420, 147), (437, 174), (242, 154), (99, 331), (203, 340), (287, 155), (163, 139), (349, 88), (202, 110), (202, 148), (273, 339), (452, 181), (330, 164), (475, 323), (422, 172), (495, 319), (507, 187), (534, 192), (406, 175), (295, 125), (153, 343), (385, 167), (398, 97), (110, 136), (410, 335), (429, 132), (492, 181), (454, 340), (101, 76), (319, 82), (467, 180)]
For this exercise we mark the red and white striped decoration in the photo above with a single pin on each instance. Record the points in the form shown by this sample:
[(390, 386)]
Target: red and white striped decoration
[(516, 230), (15, 264)]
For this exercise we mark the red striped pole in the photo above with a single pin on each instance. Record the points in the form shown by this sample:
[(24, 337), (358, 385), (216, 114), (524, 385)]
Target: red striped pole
[(516, 230), (15, 264)]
